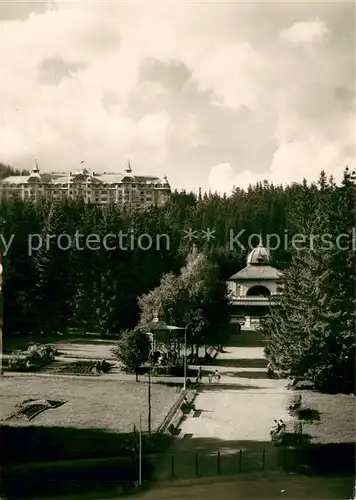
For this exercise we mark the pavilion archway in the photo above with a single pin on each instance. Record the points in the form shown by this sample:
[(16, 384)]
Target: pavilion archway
[(258, 291)]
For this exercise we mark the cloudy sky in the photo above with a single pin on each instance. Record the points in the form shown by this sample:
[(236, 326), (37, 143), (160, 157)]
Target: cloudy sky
[(213, 94)]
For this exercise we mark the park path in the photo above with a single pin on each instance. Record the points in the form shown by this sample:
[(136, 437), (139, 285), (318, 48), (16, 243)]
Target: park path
[(235, 414), (245, 402)]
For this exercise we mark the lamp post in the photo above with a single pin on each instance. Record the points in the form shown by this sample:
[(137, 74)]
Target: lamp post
[(151, 336), (140, 454), (185, 355), (157, 327), (149, 400)]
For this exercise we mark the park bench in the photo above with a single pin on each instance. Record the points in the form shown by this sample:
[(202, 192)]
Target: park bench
[(187, 405), (185, 409), (173, 427), (190, 396)]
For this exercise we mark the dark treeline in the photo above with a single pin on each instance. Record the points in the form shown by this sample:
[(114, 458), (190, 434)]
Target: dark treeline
[(98, 290), (6, 170), (53, 288)]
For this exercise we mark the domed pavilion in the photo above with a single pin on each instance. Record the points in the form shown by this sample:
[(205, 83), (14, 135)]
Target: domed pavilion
[(253, 289)]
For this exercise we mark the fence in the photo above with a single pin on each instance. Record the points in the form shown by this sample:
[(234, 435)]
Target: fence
[(31, 480), (188, 465)]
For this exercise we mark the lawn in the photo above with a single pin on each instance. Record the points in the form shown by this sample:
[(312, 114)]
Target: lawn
[(89, 404), (69, 345), (20, 342), (95, 422), (337, 417)]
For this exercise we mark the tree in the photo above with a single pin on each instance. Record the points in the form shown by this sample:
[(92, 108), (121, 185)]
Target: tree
[(17, 221), (56, 288), (196, 297), (132, 350), (53, 289), (104, 302), (311, 332)]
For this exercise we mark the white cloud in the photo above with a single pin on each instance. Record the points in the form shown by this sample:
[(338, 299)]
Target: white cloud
[(305, 32), (190, 133), (150, 90), (233, 73), (153, 130), (292, 162), (222, 178), (237, 65)]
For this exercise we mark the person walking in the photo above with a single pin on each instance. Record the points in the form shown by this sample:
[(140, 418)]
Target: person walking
[(217, 376), (282, 426), (274, 428), (200, 374)]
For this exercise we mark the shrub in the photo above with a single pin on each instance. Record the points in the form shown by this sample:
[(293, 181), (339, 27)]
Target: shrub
[(85, 367), (132, 350), (308, 414), (294, 405)]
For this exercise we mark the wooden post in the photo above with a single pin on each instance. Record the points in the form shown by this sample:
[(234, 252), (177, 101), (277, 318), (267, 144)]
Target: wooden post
[(1, 315), (218, 462), (149, 400), (240, 461), (263, 458), (172, 466), (197, 464), (140, 455)]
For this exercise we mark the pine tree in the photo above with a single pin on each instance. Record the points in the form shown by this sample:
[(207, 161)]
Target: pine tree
[(18, 221), (311, 332), (52, 269)]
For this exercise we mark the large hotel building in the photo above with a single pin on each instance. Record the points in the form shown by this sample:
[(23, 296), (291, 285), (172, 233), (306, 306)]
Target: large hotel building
[(100, 189)]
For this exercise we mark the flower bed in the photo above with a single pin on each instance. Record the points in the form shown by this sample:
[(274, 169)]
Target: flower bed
[(35, 357), (85, 367)]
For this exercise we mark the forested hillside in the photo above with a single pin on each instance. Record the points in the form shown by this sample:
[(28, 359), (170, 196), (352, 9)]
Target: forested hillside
[(51, 288)]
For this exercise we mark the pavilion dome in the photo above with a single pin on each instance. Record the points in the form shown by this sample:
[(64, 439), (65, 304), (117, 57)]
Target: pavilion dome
[(259, 256)]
